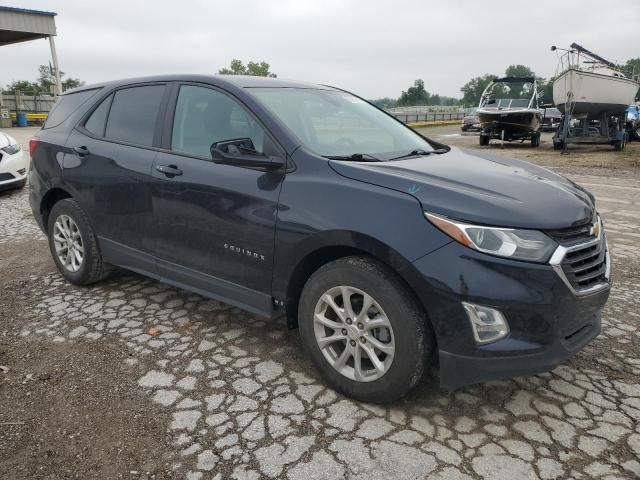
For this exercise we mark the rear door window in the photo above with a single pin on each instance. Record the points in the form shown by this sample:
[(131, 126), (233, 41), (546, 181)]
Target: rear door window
[(66, 105), (96, 122), (133, 114)]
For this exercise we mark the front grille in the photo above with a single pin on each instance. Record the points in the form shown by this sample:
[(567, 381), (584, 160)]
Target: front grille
[(6, 176), (586, 266)]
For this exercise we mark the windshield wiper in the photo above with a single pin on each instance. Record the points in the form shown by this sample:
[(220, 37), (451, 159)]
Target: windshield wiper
[(358, 157), (420, 153)]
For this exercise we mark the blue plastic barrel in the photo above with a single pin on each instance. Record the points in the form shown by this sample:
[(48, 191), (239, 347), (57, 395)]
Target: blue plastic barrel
[(21, 118)]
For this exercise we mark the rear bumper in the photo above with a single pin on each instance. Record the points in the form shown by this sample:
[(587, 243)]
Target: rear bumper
[(36, 192), (550, 127)]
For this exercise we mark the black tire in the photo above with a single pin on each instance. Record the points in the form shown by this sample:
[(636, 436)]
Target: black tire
[(557, 145), (92, 269), (535, 140), (414, 340), (484, 140)]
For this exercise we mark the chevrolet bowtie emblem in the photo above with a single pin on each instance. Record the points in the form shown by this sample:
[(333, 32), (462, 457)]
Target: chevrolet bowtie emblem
[(595, 230)]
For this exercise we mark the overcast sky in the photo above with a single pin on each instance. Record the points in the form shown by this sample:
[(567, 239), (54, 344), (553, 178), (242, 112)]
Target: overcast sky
[(375, 48)]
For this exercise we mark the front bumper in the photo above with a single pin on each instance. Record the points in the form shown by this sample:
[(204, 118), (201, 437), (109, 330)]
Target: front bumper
[(458, 370), (548, 322), (13, 169)]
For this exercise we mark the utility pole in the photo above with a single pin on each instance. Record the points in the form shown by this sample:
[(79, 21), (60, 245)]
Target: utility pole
[(56, 69)]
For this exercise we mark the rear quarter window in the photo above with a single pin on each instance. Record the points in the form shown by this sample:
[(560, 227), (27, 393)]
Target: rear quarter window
[(66, 105), (97, 120)]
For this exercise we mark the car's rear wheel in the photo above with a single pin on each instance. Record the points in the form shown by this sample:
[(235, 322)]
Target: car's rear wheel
[(73, 244), (363, 330), (484, 140)]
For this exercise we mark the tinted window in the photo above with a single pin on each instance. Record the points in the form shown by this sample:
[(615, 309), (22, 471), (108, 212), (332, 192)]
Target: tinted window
[(133, 114), (66, 105), (95, 123), (205, 116)]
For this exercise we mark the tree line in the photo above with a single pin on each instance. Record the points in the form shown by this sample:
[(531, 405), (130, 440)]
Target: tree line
[(415, 95), (42, 85)]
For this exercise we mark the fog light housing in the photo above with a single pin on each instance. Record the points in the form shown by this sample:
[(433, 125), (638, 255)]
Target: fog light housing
[(487, 324)]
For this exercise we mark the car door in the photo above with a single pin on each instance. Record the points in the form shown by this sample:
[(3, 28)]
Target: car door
[(216, 222), (109, 168)]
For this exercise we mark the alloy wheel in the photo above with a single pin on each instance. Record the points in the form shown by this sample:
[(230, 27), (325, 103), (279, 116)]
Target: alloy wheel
[(354, 333), (68, 243)]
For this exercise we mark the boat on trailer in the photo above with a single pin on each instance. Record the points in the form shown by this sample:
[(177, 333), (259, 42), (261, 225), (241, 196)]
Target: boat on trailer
[(509, 111), (592, 85), (592, 93)]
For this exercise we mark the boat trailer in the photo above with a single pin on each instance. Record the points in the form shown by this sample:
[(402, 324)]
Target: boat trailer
[(605, 129), (495, 132)]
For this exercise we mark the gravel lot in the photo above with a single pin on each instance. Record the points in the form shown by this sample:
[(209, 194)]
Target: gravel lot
[(131, 378)]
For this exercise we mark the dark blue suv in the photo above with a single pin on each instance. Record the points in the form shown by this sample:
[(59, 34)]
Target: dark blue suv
[(389, 251)]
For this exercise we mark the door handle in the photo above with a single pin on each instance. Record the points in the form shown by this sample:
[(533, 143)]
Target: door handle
[(169, 170), (81, 151)]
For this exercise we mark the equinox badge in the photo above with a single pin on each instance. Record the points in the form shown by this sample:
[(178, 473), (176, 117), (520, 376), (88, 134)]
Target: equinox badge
[(244, 251)]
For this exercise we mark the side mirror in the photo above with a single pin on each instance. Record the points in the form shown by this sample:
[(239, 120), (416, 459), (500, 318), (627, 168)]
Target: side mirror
[(241, 152)]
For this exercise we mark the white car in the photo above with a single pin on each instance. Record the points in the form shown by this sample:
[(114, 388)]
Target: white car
[(13, 163)]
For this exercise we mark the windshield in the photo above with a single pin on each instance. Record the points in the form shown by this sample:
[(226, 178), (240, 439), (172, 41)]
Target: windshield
[(508, 95), (337, 124)]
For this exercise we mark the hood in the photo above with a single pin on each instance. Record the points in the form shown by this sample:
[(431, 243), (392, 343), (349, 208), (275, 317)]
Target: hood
[(480, 187), (6, 140)]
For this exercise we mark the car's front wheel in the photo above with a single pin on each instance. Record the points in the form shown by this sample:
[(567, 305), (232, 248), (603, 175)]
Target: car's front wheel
[(363, 330), (73, 244)]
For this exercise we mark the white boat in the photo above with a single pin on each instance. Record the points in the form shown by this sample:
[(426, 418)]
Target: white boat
[(589, 84), (509, 110)]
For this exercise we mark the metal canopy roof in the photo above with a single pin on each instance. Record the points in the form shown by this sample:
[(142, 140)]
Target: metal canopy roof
[(21, 25)]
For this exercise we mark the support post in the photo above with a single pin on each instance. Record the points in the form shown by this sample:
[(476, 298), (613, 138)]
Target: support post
[(56, 69)]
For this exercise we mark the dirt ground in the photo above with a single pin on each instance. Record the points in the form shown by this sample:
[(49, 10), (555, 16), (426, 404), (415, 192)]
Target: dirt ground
[(135, 379)]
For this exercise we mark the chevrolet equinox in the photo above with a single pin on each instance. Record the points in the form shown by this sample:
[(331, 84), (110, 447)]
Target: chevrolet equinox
[(389, 251)]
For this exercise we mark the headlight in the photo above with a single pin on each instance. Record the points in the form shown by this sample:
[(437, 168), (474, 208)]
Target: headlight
[(11, 149), (519, 244)]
